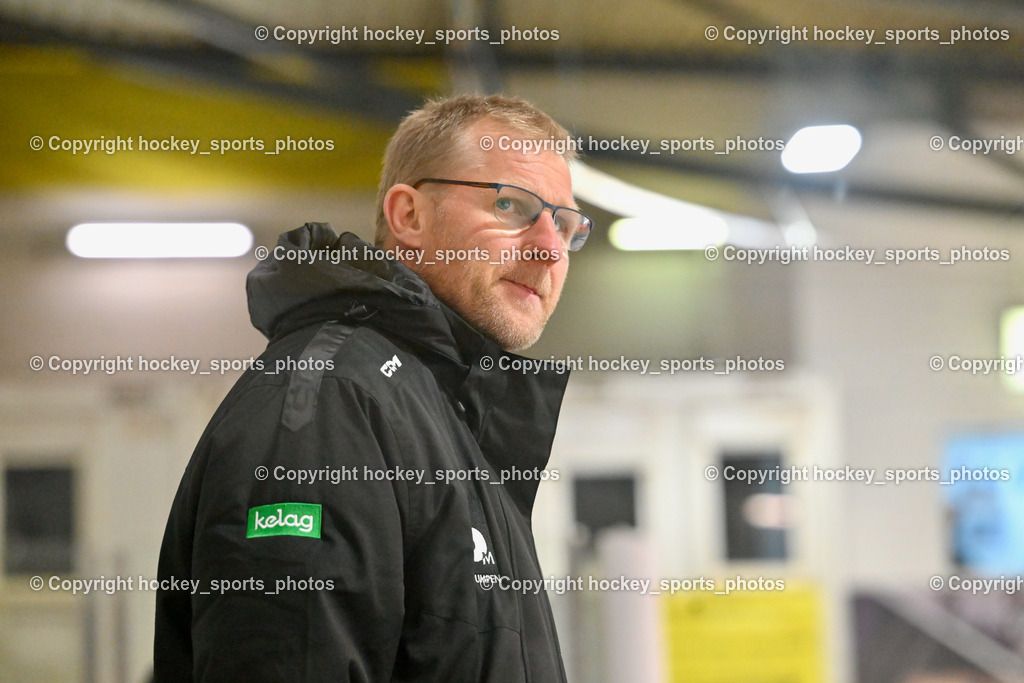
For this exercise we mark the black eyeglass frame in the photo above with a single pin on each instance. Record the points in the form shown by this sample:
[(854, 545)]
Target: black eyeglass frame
[(576, 241)]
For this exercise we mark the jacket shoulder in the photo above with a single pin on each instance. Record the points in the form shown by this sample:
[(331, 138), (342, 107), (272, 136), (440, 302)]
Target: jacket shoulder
[(358, 356)]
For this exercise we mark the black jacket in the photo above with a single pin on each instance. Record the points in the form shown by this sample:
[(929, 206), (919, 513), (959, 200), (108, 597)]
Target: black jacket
[(361, 575)]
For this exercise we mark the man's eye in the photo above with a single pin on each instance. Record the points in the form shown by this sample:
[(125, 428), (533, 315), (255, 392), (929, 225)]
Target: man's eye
[(503, 204)]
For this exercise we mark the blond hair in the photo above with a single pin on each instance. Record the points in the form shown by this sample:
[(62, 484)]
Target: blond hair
[(428, 138)]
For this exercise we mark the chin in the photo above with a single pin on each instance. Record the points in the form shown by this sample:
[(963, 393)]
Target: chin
[(520, 347), (512, 328), (517, 338)]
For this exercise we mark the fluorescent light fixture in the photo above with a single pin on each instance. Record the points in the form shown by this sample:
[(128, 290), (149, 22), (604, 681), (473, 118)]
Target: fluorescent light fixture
[(1011, 342), (159, 240), (648, 233), (652, 221), (821, 149)]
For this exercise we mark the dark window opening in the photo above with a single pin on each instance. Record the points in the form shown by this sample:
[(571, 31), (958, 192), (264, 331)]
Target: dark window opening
[(39, 529)]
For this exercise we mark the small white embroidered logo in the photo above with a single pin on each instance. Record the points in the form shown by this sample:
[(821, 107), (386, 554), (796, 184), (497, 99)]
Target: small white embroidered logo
[(390, 366), (480, 552)]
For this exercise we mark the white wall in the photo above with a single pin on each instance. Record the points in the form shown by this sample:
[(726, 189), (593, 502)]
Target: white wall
[(871, 330)]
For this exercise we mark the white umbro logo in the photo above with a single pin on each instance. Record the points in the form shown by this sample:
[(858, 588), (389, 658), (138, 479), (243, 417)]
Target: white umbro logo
[(390, 366), (480, 552)]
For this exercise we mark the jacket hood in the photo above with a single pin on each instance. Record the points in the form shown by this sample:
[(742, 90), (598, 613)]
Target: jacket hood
[(314, 275)]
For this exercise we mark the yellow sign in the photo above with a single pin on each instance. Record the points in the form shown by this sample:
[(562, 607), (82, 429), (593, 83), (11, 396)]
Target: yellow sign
[(745, 636)]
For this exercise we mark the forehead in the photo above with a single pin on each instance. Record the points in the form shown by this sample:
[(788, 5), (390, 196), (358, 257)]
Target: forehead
[(546, 173)]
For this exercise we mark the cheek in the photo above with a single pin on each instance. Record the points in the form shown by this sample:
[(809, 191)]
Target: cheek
[(474, 276), (485, 274), (560, 271)]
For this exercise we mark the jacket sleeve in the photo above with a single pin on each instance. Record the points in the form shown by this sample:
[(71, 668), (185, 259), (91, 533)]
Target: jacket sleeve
[(298, 606)]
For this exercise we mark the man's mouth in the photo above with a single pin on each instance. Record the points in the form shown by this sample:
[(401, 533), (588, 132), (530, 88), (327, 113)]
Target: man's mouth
[(527, 288)]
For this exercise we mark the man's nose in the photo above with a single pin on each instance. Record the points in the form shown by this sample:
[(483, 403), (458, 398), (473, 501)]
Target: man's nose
[(543, 238)]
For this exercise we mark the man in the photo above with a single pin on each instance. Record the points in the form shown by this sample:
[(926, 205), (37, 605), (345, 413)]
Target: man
[(359, 506)]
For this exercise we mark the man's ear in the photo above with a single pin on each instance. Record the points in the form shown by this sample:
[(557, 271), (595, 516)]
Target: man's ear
[(405, 210)]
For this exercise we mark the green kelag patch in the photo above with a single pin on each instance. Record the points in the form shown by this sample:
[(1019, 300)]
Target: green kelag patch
[(284, 519)]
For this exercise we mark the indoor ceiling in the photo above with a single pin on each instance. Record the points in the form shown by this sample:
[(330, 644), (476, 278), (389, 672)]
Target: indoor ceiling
[(646, 69)]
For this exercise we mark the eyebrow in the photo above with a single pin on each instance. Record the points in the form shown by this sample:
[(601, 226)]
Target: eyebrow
[(574, 206)]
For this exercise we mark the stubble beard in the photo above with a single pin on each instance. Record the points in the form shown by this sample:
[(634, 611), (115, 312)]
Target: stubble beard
[(480, 305)]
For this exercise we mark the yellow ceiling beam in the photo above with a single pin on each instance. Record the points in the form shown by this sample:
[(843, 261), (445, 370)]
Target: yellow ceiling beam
[(63, 98)]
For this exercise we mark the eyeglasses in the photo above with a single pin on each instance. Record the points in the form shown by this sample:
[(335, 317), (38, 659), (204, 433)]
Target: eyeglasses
[(519, 209)]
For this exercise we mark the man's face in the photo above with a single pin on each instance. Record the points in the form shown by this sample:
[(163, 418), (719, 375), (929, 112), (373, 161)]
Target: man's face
[(507, 297)]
